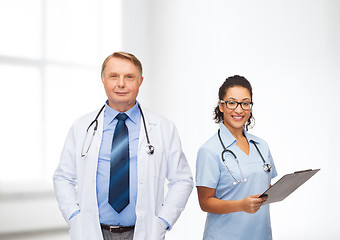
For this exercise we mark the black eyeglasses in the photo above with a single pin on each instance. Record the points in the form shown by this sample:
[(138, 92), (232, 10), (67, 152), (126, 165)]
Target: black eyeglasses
[(231, 104)]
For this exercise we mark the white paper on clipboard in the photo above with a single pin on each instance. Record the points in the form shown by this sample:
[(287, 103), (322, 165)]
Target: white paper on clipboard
[(287, 184)]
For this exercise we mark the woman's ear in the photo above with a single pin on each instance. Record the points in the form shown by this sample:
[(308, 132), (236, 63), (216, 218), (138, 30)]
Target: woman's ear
[(220, 106)]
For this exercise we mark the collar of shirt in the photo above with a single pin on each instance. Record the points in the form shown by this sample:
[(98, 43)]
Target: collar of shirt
[(110, 113), (250, 137), (228, 138)]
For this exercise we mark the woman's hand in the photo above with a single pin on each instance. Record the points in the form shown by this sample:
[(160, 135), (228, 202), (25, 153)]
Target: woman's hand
[(209, 203), (252, 204)]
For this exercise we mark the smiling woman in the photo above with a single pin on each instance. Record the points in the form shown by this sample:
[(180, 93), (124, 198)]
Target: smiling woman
[(231, 181), (236, 114), (236, 85)]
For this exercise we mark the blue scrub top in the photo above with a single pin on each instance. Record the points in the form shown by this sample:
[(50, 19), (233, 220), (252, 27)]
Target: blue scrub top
[(211, 172)]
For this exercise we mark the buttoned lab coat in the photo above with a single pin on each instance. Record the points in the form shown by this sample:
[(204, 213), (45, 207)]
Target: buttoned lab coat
[(75, 179)]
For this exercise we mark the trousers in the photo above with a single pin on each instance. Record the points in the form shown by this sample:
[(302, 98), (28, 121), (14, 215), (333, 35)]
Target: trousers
[(128, 235)]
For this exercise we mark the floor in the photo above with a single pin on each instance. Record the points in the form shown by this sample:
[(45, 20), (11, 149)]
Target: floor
[(52, 235)]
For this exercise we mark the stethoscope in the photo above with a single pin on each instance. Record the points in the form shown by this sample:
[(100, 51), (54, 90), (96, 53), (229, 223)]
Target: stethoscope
[(84, 150), (266, 166)]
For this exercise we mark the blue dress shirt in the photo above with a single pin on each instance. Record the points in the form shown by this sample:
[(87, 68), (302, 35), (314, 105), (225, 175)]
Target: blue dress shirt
[(107, 215)]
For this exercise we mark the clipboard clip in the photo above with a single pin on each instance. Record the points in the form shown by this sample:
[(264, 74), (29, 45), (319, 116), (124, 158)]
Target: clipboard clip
[(308, 170)]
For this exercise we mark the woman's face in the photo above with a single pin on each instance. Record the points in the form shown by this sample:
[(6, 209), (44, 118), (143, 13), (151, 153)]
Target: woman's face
[(235, 119)]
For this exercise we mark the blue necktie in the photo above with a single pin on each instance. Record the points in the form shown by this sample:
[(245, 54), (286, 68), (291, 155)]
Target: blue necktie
[(119, 166)]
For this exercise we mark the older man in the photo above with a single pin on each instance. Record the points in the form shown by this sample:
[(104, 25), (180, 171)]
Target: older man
[(110, 180)]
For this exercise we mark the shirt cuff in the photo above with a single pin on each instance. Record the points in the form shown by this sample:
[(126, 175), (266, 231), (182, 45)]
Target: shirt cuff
[(74, 214), (168, 228)]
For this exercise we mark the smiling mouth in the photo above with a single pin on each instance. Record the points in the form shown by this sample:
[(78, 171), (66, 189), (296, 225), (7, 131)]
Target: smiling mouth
[(238, 117)]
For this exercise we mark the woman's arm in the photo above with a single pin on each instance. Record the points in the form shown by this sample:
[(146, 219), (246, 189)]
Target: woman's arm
[(209, 203)]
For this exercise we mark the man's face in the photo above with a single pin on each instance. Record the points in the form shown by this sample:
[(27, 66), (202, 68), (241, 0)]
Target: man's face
[(121, 80)]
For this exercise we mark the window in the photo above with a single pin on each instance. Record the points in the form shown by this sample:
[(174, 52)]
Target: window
[(50, 58)]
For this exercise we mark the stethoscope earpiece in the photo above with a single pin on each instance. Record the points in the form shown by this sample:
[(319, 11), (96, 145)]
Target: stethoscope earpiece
[(244, 180)]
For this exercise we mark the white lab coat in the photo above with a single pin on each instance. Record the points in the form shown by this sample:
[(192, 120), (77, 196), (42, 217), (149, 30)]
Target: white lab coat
[(75, 179)]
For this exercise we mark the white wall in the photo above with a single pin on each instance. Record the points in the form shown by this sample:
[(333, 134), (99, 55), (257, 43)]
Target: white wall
[(50, 58), (289, 51)]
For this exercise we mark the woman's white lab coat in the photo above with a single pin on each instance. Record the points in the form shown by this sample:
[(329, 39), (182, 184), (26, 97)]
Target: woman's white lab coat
[(75, 179)]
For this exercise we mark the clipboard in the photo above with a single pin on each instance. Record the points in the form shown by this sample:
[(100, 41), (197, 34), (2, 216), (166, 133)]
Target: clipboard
[(287, 184)]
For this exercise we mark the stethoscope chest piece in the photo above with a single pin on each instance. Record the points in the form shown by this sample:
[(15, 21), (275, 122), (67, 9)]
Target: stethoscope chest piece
[(267, 167), (149, 149)]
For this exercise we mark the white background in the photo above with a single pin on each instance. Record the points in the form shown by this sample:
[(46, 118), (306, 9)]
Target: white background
[(289, 51)]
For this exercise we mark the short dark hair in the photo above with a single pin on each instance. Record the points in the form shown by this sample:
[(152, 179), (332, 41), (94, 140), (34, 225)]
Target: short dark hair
[(234, 81)]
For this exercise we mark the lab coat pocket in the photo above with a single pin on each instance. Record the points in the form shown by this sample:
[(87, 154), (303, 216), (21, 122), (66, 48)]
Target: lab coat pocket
[(75, 228)]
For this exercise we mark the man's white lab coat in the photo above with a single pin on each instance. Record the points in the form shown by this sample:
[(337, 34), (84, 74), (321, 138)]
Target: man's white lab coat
[(75, 179)]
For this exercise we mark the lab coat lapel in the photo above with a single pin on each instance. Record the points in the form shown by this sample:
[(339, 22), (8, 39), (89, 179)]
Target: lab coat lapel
[(149, 126), (94, 149), (89, 171)]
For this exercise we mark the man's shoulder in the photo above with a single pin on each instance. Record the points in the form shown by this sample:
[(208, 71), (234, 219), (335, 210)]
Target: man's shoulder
[(155, 118), (84, 121), (87, 116)]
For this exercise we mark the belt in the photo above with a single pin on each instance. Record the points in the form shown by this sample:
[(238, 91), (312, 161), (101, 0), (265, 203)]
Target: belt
[(117, 229)]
